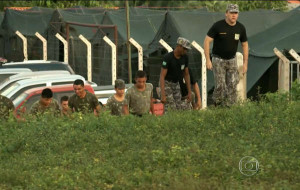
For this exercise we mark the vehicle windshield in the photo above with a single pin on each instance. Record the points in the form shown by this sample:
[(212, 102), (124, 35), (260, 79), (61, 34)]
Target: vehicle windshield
[(5, 76), (20, 99), (42, 66), (4, 81), (10, 89), (4, 86)]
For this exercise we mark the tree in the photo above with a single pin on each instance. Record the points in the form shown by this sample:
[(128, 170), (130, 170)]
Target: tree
[(214, 6)]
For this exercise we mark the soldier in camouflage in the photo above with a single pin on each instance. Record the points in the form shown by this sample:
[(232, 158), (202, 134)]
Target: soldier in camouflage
[(6, 107), (64, 103), (174, 68), (83, 101), (115, 103), (139, 97), (46, 104), (226, 35)]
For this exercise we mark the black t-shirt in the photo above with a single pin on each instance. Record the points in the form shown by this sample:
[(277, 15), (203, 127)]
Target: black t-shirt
[(226, 38), (184, 90), (175, 66)]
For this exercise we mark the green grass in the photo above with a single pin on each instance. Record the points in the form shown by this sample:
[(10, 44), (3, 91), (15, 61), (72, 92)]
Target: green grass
[(181, 150)]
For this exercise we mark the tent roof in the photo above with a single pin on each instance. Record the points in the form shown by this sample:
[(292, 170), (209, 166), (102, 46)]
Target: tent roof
[(81, 16), (28, 22), (285, 34), (144, 24)]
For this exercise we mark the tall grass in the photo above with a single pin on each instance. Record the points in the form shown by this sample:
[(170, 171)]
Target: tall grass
[(180, 150)]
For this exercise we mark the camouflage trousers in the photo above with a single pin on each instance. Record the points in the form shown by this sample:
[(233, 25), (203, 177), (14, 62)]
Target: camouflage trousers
[(173, 96), (185, 105), (226, 79)]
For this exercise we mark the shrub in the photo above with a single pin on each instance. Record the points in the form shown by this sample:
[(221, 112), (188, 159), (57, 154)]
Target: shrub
[(180, 150)]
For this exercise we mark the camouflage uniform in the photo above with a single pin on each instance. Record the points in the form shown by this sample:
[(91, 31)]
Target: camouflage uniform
[(115, 106), (226, 79), (226, 38), (173, 96), (38, 108), (139, 102), (6, 107), (175, 67), (185, 105), (86, 105)]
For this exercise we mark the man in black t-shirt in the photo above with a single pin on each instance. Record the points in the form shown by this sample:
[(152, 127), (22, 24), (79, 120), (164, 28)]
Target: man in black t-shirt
[(174, 67), (226, 35)]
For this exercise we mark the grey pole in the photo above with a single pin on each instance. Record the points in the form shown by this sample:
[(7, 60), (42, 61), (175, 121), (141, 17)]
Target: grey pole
[(128, 43)]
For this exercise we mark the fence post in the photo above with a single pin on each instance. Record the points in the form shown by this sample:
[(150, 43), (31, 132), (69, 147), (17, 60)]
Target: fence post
[(113, 58), (283, 72), (140, 51), (66, 52), (242, 85), (89, 57), (165, 45), (296, 56), (24, 39), (44, 45), (204, 75)]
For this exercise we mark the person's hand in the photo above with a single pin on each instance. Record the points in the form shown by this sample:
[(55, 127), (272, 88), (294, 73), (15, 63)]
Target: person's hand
[(163, 99), (198, 105), (209, 65), (245, 68), (189, 97)]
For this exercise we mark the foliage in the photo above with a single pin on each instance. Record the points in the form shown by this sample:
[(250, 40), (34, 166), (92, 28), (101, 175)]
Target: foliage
[(186, 4), (180, 150)]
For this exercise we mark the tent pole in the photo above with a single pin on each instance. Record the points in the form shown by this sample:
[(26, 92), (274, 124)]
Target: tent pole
[(24, 39), (203, 75), (242, 85), (128, 43), (44, 45), (283, 72), (89, 57), (140, 50)]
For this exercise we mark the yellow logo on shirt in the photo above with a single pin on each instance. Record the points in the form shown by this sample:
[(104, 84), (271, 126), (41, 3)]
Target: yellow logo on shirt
[(236, 36)]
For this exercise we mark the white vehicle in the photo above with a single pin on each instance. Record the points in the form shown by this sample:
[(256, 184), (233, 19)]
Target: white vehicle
[(20, 86), (5, 73), (27, 75), (39, 65)]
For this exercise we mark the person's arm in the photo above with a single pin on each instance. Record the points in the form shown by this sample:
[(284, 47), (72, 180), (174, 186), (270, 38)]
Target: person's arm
[(151, 102), (56, 109), (33, 110), (188, 83), (163, 74), (108, 105), (197, 93), (70, 104), (125, 109), (245, 56), (11, 107), (98, 109), (127, 101), (207, 42)]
